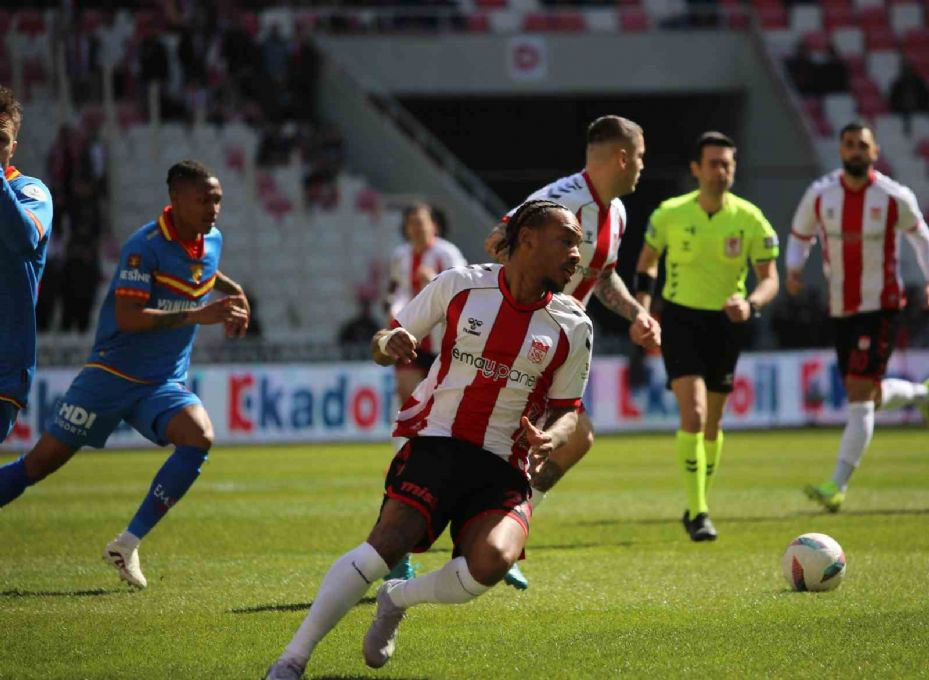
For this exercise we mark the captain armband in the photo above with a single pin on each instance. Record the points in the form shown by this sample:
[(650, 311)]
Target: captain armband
[(645, 283)]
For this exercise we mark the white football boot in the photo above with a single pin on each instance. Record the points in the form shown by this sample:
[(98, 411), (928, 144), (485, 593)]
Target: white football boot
[(126, 561), (381, 638)]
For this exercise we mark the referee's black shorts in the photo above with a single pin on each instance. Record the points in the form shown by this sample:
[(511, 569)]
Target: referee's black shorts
[(700, 342)]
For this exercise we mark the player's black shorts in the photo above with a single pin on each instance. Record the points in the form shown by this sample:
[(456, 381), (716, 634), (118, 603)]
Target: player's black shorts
[(451, 481), (700, 342), (864, 342)]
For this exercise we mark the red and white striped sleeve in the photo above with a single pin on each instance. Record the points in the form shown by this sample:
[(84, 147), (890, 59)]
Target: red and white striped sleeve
[(803, 228), (429, 306), (570, 379)]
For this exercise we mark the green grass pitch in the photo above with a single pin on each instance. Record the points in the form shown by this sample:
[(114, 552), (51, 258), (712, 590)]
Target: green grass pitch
[(617, 589)]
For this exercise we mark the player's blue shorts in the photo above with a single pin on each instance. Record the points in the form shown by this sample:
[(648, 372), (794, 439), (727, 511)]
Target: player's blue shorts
[(8, 413), (97, 401)]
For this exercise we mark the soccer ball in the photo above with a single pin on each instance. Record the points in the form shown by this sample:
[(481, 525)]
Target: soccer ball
[(813, 562)]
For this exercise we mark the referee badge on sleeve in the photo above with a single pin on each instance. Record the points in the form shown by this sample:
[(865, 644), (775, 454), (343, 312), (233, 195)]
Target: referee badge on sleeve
[(733, 246)]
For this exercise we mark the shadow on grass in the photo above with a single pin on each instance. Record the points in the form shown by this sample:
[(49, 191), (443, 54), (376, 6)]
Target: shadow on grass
[(365, 677), (62, 593), (290, 607), (655, 521)]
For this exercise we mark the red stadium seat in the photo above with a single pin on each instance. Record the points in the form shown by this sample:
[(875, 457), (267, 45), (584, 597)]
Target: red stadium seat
[(916, 41), (878, 38), (838, 16), (478, 23), (565, 22), (816, 41), (30, 22), (856, 66), (633, 20), (873, 17), (871, 105), (490, 4), (771, 16), (922, 148)]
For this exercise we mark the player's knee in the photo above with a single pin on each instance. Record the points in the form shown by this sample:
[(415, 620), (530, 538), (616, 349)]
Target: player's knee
[(491, 563), (693, 417)]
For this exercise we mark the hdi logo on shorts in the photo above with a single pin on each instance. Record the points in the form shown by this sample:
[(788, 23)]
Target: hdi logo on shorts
[(76, 415)]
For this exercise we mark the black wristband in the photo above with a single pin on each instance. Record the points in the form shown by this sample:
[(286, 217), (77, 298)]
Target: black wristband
[(755, 310), (645, 283)]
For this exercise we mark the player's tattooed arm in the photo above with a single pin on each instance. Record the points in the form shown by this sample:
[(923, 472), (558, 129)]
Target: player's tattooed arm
[(614, 295), (132, 316)]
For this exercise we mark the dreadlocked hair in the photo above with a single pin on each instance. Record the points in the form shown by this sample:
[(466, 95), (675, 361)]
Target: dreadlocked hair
[(532, 214)]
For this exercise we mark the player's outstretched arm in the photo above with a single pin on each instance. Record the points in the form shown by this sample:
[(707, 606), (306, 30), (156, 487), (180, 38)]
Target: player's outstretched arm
[(132, 316), (393, 346), (226, 285)]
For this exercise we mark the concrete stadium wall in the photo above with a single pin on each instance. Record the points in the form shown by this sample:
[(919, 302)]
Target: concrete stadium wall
[(776, 159)]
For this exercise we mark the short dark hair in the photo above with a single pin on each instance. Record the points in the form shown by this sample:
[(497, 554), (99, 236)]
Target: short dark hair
[(855, 126), (412, 209), (11, 108), (186, 171), (613, 129), (532, 214), (712, 138)]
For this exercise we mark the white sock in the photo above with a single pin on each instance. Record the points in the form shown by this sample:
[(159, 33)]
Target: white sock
[(129, 540), (452, 584), (896, 393), (347, 580), (855, 439)]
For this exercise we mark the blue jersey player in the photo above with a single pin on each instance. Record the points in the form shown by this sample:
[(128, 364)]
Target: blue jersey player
[(138, 365), (25, 225)]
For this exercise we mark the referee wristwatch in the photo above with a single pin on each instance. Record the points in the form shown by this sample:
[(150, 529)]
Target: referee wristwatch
[(755, 310)]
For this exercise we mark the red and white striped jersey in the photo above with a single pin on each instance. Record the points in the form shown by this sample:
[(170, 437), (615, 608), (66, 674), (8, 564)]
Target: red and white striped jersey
[(603, 227), (498, 361), (405, 283), (858, 231)]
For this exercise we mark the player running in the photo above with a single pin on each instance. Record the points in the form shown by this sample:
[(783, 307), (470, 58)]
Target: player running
[(614, 162), (472, 441), (25, 227), (138, 365), (709, 237), (858, 214)]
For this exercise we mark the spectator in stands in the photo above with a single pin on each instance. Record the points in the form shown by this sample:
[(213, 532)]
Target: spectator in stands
[(356, 333), (908, 94), (804, 72), (304, 75), (275, 57), (833, 73), (80, 275)]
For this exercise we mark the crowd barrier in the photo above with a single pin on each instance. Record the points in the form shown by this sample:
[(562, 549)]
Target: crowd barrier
[(274, 403)]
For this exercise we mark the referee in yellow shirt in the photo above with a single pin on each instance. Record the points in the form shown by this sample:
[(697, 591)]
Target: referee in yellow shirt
[(709, 236)]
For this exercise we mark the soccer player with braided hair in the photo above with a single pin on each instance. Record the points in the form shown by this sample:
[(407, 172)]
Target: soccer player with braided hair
[(514, 349), (614, 161)]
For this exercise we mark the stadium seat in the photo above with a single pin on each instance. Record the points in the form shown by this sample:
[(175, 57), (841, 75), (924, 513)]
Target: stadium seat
[(839, 109), (633, 20), (6, 22), (601, 20), (30, 23), (848, 41), (906, 17), (806, 18), (839, 15), (873, 17), (478, 23), (880, 38), (816, 41), (883, 67)]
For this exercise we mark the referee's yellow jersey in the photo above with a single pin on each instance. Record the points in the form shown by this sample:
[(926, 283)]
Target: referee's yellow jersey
[(707, 257)]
